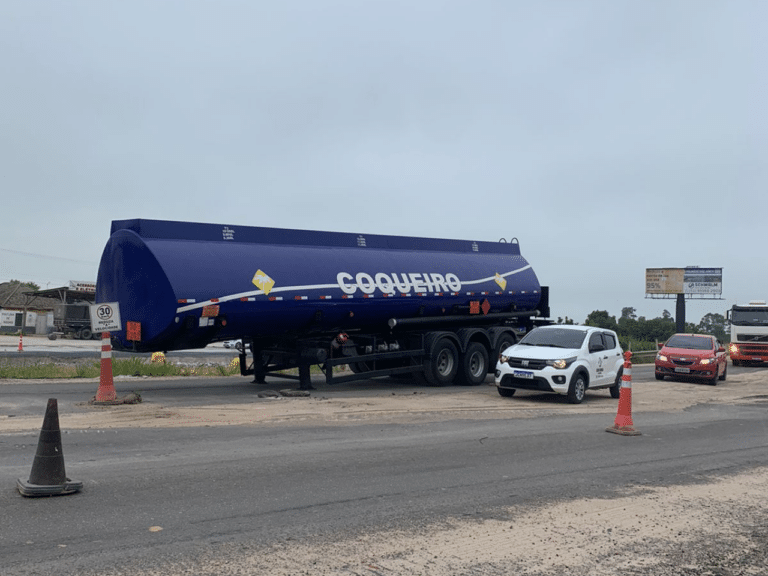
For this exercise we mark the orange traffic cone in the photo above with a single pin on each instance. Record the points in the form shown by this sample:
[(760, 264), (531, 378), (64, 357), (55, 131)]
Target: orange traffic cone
[(623, 424), (48, 477), (21, 337), (106, 392)]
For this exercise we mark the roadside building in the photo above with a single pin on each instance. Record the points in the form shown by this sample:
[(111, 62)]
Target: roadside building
[(33, 311)]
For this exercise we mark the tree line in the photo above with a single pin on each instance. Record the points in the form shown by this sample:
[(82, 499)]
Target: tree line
[(643, 334)]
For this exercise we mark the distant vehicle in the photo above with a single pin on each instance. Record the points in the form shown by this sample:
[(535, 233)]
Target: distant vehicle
[(563, 359), (73, 320), (692, 356), (237, 344), (749, 332)]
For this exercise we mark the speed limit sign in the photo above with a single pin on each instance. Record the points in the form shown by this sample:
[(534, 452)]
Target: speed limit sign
[(105, 317)]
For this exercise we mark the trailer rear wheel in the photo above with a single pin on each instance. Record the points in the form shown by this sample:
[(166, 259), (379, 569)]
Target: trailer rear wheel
[(474, 365), (443, 363), (85, 334), (505, 340)]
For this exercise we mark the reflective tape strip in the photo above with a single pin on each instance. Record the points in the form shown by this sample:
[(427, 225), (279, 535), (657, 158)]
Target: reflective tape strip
[(626, 378), (106, 347)]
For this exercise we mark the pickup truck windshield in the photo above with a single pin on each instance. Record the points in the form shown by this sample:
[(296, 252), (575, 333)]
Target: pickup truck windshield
[(555, 337)]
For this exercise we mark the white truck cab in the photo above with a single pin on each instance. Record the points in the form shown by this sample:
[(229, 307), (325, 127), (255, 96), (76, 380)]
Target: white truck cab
[(563, 359)]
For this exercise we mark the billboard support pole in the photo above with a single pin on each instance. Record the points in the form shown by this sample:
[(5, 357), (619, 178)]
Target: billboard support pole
[(680, 314)]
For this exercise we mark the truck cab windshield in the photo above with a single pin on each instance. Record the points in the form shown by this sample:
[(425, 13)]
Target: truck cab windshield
[(749, 316)]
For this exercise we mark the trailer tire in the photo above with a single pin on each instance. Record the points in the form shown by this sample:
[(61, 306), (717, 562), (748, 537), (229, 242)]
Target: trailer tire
[(443, 363), (86, 334), (504, 341), (474, 365)]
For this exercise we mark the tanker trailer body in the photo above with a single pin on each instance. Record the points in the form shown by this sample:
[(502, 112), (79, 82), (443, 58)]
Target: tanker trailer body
[(383, 305)]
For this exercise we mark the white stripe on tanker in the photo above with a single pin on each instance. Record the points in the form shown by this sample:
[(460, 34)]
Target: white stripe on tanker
[(350, 289)]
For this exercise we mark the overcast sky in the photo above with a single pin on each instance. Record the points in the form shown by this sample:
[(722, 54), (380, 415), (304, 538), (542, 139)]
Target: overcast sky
[(606, 136)]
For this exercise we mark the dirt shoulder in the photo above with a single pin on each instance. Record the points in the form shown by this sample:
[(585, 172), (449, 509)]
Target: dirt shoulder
[(375, 403)]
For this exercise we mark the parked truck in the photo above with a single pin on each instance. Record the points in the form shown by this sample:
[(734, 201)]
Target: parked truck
[(440, 310), (749, 332), (72, 320)]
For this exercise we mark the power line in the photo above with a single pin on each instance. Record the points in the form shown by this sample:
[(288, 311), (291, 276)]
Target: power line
[(32, 254)]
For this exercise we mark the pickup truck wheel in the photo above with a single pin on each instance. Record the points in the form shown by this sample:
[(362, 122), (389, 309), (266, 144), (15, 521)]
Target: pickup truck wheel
[(577, 389), (506, 392), (616, 388), (725, 370), (474, 365), (443, 363)]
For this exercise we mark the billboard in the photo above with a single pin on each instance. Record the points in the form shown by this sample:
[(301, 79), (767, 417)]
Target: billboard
[(664, 280), (703, 280), (691, 280)]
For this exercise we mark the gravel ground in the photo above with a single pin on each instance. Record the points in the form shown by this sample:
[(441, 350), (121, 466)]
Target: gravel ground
[(716, 527)]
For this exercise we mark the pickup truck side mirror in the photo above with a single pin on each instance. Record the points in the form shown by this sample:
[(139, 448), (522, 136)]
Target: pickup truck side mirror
[(660, 345), (721, 349)]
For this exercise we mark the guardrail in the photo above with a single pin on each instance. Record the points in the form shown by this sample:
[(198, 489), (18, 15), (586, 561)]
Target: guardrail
[(644, 356)]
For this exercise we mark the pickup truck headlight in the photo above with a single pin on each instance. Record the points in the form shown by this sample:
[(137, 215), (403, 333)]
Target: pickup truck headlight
[(662, 358), (503, 359), (562, 363), (705, 361)]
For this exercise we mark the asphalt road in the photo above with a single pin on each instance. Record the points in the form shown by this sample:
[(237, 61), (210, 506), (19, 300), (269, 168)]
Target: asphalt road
[(256, 485)]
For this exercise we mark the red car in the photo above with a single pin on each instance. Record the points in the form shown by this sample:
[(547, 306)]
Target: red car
[(692, 356)]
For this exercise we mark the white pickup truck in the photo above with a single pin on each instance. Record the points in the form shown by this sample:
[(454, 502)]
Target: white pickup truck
[(563, 359)]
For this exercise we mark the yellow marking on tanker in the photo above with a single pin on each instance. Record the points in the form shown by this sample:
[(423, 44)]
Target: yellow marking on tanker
[(261, 280), (500, 281)]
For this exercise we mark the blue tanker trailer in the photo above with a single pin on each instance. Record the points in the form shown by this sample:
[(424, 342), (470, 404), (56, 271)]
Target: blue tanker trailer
[(383, 305)]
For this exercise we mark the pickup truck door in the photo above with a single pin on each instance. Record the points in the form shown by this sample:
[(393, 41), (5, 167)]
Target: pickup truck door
[(613, 358), (600, 362)]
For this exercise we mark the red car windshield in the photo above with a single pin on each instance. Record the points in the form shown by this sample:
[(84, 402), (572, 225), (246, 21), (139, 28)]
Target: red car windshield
[(690, 342)]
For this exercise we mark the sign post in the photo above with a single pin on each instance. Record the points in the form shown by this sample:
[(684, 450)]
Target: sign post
[(105, 317)]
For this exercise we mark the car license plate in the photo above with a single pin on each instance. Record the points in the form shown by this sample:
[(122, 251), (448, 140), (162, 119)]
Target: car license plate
[(683, 370), (523, 374)]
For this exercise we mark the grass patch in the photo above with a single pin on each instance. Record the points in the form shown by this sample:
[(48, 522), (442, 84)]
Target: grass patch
[(120, 367)]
